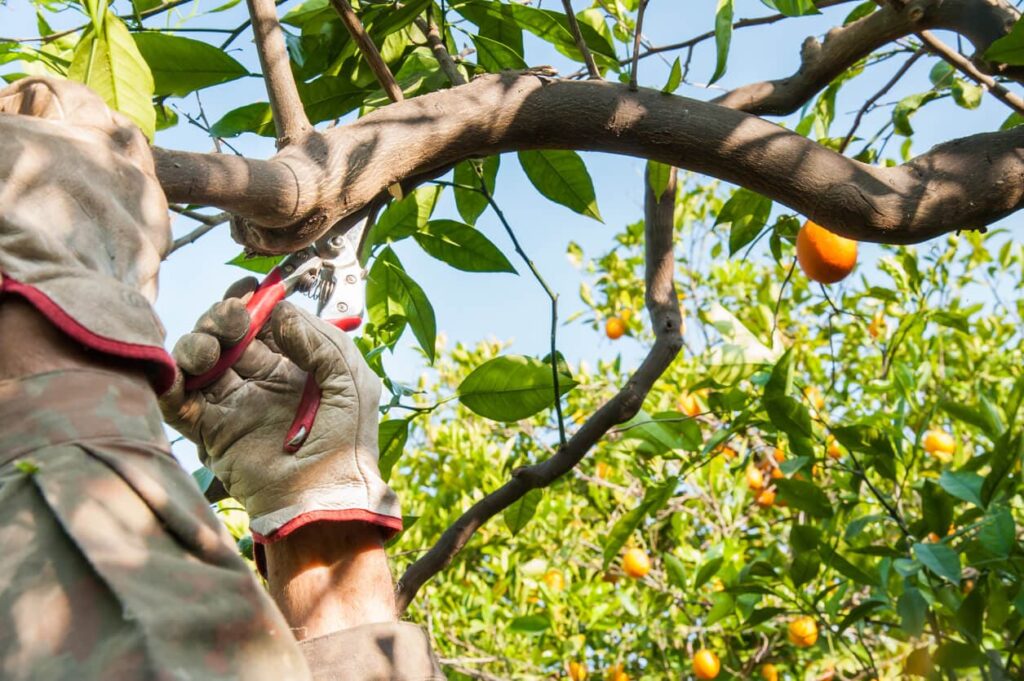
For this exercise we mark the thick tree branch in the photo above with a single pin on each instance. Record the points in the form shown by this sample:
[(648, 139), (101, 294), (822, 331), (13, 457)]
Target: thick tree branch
[(290, 120), (369, 50), (980, 21), (663, 306), (295, 197)]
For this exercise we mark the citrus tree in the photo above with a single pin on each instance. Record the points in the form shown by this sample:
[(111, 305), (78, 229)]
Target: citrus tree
[(810, 473)]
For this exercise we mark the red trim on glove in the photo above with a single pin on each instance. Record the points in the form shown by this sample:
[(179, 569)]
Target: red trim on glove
[(163, 367), (387, 522)]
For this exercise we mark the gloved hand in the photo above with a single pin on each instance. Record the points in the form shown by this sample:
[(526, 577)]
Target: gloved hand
[(83, 220), (239, 421)]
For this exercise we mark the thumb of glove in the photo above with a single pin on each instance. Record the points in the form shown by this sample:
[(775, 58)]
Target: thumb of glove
[(316, 347)]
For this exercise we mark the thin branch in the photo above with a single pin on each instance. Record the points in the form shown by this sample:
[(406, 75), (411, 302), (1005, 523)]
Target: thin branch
[(290, 120), (547, 290), (636, 44), (964, 66), (207, 224), (663, 306), (369, 50), (436, 42), (581, 44), (878, 95)]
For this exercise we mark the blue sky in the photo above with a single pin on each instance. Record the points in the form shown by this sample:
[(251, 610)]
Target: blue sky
[(471, 307)]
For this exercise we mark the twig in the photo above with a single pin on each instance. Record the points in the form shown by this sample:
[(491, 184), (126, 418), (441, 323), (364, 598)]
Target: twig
[(290, 120), (436, 42), (369, 50), (207, 224), (663, 306), (636, 43), (159, 9), (581, 44), (964, 66), (878, 95), (547, 289)]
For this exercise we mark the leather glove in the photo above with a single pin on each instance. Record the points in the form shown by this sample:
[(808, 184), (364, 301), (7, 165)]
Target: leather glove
[(240, 420), (83, 220)]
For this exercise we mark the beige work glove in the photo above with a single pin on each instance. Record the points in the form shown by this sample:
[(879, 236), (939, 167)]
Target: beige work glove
[(240, 420), (83, 220)]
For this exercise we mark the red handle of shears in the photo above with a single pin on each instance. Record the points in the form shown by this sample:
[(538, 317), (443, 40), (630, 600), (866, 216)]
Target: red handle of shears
[(310, 402), (270, 292)]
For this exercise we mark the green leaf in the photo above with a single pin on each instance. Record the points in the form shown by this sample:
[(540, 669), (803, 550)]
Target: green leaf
[(834, 560), (391, 438), (780, 382), (959, 655), (390, 292), (1010, 48), (204, 478), (261, 264), (860, 612), (793, 8), (530, 624), (182, 65), (522, 511), (940, 559), (461, 246), (722, 605), (497, 57), (723, 36), (788, 415), (804, 568), (403, 218), (676, 571), (747, 214), (913, 610), (961, 411), (511, 388), (675, 78), (998, 533), (472, 203), (963, 485), (658, 175), (907, 107), (707, 571), (805, 496), (256, 118), (562, 177), (654, 500), (107, 60)]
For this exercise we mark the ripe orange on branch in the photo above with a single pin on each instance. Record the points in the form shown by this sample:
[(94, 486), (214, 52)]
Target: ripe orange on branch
[(803, 631), (769, 672), (635, 563), (614, 328), (705, 664), (823, 256), (577, 671), (939, 442)]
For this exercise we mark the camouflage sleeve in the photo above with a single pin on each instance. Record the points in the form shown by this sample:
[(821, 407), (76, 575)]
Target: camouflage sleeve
[(113, 566)]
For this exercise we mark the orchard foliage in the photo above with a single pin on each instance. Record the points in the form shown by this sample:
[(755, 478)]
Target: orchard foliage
[(778, 470)]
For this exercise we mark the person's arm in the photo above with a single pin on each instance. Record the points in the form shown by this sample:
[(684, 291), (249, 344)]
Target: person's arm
[(319, 517)]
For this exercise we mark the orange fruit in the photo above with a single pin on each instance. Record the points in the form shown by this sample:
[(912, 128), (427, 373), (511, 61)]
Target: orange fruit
[(803, 631), (603, 470), (823, 256), (968, 586), (933, 537), (614, 328), (769, 672), (766, 499), (755, 479), (834, 451), (689, 405), (779, 454), (554, 579), (578, 671), (877, 327), (939, 442), (616, 673), (727, 452), (705, 664), (717, 584), (777, 473), (635, 563)]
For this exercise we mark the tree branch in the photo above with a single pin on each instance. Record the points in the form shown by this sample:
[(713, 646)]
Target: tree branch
[(964, 66), (295, 197), (663, 306), (369, 50), (902, 71), (980, 21), (290, 120), (436, 43), (581, 44), (638, 33)]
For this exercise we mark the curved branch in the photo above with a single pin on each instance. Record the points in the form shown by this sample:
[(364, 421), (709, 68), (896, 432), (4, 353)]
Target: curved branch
[(980, 21), (663, 306), (309, 186)]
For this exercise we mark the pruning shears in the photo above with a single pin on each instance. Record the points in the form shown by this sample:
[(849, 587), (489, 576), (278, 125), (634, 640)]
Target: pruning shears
[(328, 271)]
